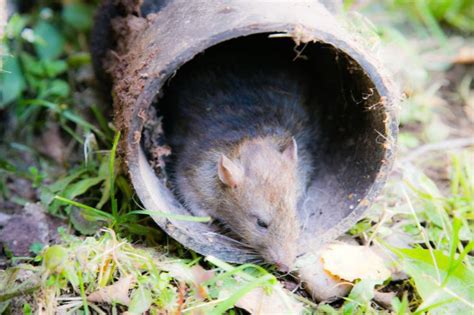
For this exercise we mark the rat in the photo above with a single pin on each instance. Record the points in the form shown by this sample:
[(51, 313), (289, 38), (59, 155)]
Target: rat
[(241, 141)]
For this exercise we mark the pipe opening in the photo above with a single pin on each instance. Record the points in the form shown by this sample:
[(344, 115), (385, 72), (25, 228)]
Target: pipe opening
[(346, 112)]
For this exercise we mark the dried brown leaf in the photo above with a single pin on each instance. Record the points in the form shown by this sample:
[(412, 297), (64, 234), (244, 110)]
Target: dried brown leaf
[(194, 275), (115, 293), (322, 285), (384, 298), (465, 56), (258, 301)]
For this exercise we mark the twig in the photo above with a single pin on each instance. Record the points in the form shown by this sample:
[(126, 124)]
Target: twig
[(443, 145), (377, 227), (305, 301)]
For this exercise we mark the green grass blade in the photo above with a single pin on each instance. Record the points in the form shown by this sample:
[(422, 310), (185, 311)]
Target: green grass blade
[(113, 200), (428, 18), (179, 217), (83, 293), (234, 298), (85, 207), (457, 224)]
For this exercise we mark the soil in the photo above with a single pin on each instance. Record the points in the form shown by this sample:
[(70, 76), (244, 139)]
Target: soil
[(28, 226)]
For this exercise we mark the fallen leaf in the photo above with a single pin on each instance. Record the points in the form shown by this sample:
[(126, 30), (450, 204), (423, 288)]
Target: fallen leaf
[(322, 285), (115, 293), (193, 275), (258, 301), (141, 300), (384, 298), (201, 275), (465, 56), (350, 262)]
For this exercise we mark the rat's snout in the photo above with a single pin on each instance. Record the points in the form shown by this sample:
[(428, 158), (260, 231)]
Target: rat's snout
[(282, 267), (283, 254), (284, 263)]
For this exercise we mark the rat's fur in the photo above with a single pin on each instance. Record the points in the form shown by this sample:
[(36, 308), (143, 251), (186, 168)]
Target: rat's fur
[(234, 157)]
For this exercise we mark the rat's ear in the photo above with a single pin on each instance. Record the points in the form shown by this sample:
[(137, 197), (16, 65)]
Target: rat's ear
[(229, 173), (290, 149)]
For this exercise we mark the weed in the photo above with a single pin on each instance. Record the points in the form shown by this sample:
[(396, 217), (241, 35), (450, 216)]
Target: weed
[(80, 274)]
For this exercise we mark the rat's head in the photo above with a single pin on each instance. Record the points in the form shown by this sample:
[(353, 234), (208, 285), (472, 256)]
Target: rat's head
[(261, 186)]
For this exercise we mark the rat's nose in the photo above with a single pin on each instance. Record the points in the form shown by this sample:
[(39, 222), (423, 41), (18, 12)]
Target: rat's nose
[(282, 267)]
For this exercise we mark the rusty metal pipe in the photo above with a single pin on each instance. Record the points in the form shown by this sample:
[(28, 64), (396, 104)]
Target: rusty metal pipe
[(144, 44)]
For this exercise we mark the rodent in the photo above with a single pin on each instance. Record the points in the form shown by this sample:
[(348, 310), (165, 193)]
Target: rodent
[(241, 142)]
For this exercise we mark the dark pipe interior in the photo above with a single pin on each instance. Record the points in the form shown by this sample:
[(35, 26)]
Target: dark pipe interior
[(348, 149)]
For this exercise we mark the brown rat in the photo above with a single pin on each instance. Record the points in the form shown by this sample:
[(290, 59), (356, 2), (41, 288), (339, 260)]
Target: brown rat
[(240, 138)]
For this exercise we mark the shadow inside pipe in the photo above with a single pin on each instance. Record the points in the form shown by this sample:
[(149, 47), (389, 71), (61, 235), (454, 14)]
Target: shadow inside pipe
[(345, 111)]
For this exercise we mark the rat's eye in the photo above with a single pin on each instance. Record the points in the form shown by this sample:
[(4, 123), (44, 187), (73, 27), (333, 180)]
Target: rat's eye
[(262, 224)]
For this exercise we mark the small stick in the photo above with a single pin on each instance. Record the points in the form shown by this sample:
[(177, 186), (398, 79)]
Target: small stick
[(443, 145)]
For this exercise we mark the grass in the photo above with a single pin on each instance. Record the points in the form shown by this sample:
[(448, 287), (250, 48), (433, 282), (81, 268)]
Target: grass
[(81, 266), (423, 221)]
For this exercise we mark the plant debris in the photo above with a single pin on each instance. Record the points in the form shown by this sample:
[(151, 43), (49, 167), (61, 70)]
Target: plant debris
[(350, 262)]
